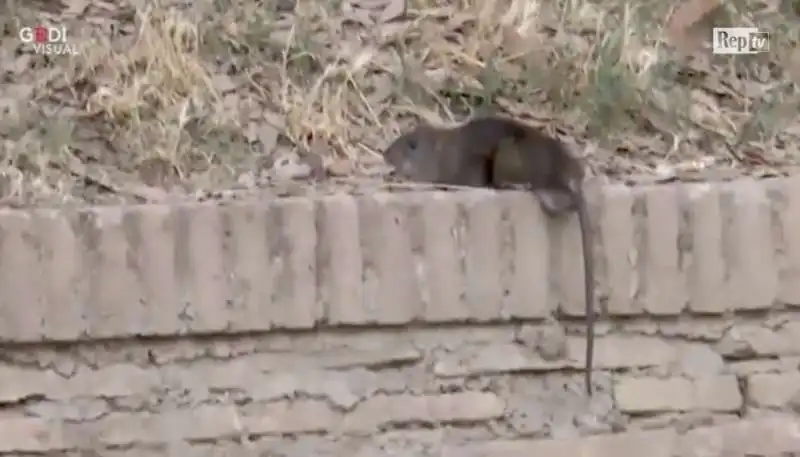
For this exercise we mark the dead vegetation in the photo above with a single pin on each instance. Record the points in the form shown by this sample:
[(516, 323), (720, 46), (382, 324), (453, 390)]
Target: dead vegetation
[(216, 94)]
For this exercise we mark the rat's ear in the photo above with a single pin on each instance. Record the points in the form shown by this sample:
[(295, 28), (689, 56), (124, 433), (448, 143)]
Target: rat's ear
[(555, 201)]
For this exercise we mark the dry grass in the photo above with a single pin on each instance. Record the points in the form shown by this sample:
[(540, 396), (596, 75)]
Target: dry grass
[(218, 93)]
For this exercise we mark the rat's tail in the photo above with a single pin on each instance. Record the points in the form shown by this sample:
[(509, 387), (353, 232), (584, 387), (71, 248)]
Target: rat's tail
[(588, 271)]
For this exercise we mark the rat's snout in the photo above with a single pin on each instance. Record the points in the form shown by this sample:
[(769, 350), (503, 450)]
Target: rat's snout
[(395, 173), (405, 170), (402, 170)]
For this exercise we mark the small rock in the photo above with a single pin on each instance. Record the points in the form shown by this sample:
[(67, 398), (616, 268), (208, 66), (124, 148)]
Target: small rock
[(340, 168), (550, 341), (528, 336), (288, 167)]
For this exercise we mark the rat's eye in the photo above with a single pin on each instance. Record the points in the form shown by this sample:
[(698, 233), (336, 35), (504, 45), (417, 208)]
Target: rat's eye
[(412, 143)]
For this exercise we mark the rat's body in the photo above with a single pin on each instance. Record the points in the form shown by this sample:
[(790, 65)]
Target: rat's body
[(500, 152)]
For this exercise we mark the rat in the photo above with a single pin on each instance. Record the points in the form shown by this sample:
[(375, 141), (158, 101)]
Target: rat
[(499, 152)]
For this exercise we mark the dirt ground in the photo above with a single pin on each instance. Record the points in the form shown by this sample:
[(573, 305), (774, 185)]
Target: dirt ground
[(149, 99)]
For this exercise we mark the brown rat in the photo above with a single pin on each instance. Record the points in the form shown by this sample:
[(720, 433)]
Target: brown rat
[(498, 152), (420, 156)]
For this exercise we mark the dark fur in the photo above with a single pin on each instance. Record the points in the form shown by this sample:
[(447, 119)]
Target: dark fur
[(500, 152)]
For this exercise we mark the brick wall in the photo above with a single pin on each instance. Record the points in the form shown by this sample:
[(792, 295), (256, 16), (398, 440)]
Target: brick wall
[(410, 324)]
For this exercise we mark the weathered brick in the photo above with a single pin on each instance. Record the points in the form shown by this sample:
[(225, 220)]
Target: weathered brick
[(391, 285), (753, 276), (699, 328), (299, 416), (114, 308), (625, 351), (680, 421), (199, 263), (333, 386), (74, 410), (108, 382), (493, 359), (774, 390), (789, 227), (207, 422), (136, 429), (645, 395), (292, 238), (717, 393), (342, 388), (660, 443), (339, 260), (705, 261), (252, 278), (699, 361), (611, 352), (26, 434), (385, 410), (748, 367), (405, 443), (111, 381), (442, 266), (155, 257), (664, 280), (617, 229), (62, 276), (452, 337), (20, 383), (527, 283), (756, 339), (21, 310), (480, 250), (270, 376), (757, 437), (210, 422)]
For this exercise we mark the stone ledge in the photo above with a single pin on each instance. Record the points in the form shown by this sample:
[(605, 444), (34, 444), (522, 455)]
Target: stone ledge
[(765, 437), (221, 429), (391, 259), (222, 422)]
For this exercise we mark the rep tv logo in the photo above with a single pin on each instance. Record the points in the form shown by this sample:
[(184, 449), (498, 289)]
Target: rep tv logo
[(739, 40), (48, 40)]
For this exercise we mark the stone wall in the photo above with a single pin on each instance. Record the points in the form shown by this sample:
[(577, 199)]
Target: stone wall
[(405, 324)]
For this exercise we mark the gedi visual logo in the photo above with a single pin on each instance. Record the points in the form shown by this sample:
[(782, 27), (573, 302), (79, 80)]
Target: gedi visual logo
[(48, 40)]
